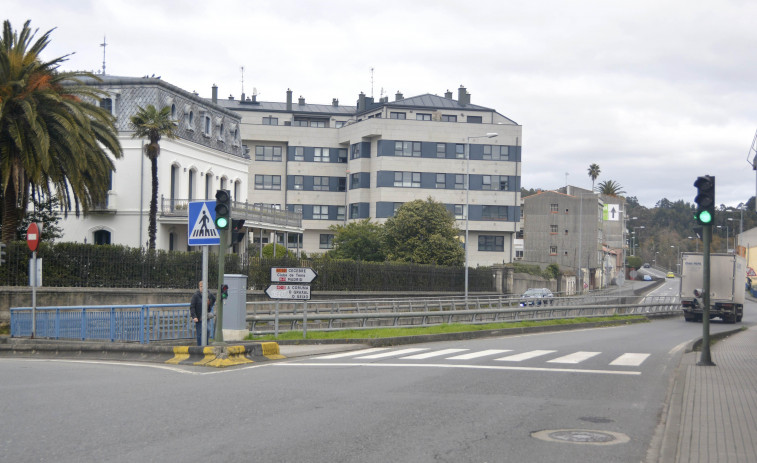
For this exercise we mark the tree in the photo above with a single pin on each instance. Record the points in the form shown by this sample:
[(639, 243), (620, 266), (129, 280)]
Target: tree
[(361, 240), (54, 141), (423, 232), (154, 125), (593, 173), (43, 213), (610, 188)]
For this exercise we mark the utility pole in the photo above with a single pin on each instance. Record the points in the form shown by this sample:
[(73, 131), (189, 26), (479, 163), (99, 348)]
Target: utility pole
[(705, 215)]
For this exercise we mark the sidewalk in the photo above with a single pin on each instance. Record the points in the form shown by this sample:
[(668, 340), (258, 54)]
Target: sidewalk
[(712, 414)]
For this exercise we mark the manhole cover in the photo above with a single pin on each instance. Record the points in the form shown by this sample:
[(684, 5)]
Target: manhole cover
[(581, 436), (595, 419)]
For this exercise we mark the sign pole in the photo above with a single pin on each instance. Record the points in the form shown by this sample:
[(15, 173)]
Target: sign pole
[(34, 293), (219, 299), (705, 359), (204, 319)]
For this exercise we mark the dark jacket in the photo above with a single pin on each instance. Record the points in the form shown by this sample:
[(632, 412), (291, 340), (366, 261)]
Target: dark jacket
[(195, 305)]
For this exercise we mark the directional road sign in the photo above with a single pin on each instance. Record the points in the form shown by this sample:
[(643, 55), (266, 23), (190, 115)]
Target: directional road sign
[(292, 275), (201, 225), (288, 292)]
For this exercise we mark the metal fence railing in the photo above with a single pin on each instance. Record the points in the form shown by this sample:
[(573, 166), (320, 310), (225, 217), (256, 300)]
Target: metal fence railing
[(271, 318), (118, 323)]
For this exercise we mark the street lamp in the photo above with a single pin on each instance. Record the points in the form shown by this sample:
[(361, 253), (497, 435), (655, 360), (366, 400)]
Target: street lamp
[(467, 204), (696, 240), (637, 237), (726, 235), (678, 256)]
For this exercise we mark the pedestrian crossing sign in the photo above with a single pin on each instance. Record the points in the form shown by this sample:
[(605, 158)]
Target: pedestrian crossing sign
[(201, 228)]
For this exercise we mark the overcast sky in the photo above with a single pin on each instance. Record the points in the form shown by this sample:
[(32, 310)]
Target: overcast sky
[(654, 92)]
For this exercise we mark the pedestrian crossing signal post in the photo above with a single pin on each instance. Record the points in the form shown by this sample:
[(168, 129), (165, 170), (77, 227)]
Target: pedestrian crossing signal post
[(705, 215), (202, 231), (223, 224)]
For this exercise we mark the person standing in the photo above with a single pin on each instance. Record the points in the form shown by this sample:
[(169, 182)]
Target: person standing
[(195, 310)]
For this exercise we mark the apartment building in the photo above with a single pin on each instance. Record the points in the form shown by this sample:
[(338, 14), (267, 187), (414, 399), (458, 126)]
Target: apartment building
[(334, 164)]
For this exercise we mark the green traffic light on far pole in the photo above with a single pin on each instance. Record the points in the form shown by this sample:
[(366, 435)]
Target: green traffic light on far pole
[(705, 217)]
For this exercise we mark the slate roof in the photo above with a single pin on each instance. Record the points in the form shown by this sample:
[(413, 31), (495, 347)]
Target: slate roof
[(435, 102)]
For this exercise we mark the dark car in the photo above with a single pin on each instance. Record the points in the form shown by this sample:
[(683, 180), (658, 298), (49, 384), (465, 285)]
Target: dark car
[(535, 296), (646, 265)]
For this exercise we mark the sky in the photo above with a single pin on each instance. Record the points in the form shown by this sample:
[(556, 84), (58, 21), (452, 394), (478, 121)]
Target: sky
[(655, 92)]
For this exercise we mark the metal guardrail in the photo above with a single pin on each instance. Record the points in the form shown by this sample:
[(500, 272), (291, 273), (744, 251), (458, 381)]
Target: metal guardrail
[(123, 323), (340, 315)]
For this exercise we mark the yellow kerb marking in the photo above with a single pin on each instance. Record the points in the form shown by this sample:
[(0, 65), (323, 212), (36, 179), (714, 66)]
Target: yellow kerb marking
[(271, 350), (179, 355)]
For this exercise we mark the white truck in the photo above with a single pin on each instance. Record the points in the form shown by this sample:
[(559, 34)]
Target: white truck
[(727, 286)]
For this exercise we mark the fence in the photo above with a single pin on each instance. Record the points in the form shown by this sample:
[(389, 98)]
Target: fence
[(123, 323), (339, 315)]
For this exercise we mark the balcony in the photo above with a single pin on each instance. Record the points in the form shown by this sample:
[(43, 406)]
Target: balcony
[(254, 216)]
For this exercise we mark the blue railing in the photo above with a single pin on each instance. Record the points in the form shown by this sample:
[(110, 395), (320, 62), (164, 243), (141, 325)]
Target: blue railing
[(123, 323)]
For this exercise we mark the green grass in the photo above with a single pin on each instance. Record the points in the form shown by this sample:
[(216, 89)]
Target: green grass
[(438, 329)]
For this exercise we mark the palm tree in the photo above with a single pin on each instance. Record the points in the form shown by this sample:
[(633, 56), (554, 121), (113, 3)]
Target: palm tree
[(593, 173), (54, 139), (610, 188), (153, 124)]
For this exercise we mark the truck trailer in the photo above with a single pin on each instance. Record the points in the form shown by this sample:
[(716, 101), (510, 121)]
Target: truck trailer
[(727, 288)]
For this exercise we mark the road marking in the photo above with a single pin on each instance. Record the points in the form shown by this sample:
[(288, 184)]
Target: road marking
[(469, 367), (482, 353), (393, 353), (576, 357), (352, 353), (436, 353), (630, 360), (525, 356)]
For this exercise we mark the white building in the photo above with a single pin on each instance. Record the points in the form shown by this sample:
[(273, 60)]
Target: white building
[(334, 164)]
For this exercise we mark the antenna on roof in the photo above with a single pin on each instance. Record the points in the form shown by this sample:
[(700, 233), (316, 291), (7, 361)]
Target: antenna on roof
[(242, 68), (104, 44), (371, 82)]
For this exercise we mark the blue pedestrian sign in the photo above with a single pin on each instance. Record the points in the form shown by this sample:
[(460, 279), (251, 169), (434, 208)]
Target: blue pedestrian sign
[(201, 226)]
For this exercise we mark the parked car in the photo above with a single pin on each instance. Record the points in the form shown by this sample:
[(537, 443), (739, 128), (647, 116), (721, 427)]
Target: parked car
[(647, 278), (535, 296), (646, 265), (671, 275)]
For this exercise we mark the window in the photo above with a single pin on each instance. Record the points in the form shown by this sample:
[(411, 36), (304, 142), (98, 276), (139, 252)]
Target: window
[(321, 155), (206, 126), (459, 181), (422, 117), (298, 182), (354, 181), (267, 182), (341, 184), (441, 150), (553, 208), (396, 207), (191, 120), (355, 151), (449, 118), (553, 250), (519, 255), (102, 237), (342, 156), (270, 120), (441, 181), (173, 111), (397, 116), (494, 212), (553, 229), (320, 184), (474, 120), (299, 123), (338, 124), (495, 153), (299, 153), (340, 213), (494, 182), (460, 151), (107, 104), (407, 148), (191, 185), (327, 242), (320, 212), (208, 185), (297, 208), (407, 179), (354, 211), (491, 243), (268, 153), (458, 211), (320, 124)]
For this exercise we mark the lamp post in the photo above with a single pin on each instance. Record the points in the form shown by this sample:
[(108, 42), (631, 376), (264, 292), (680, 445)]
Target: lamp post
[(726, 235), (637, 236), (467, 204), (696, 240), (678, 256)]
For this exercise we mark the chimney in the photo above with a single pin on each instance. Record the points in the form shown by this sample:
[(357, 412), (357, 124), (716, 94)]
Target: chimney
[(214, 92), (289, 100), (335, 102), (448, 95), (254, 97), (301, 101), (361, 102), (463, 97), (242, 99), (231, 97), (398, 96)]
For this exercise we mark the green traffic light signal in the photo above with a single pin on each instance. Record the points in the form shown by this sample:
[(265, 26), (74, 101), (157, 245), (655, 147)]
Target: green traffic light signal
[(222, 222), (705, 217)]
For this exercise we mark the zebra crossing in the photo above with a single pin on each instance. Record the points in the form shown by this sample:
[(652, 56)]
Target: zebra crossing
[(552, 357)]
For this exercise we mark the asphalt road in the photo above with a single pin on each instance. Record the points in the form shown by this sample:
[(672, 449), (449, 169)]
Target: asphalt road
[(474, 400)]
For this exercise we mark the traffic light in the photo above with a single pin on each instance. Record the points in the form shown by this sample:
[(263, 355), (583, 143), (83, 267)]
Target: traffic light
[(705, 199), (223, 209), (237, 233), (224, 291), (2, 253)]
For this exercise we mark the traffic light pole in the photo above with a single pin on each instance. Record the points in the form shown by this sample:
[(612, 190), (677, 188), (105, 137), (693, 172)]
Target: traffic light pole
[(219, 298), (705, 359)]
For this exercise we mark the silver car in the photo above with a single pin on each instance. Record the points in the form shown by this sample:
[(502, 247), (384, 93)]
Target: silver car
[(535, 296)]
